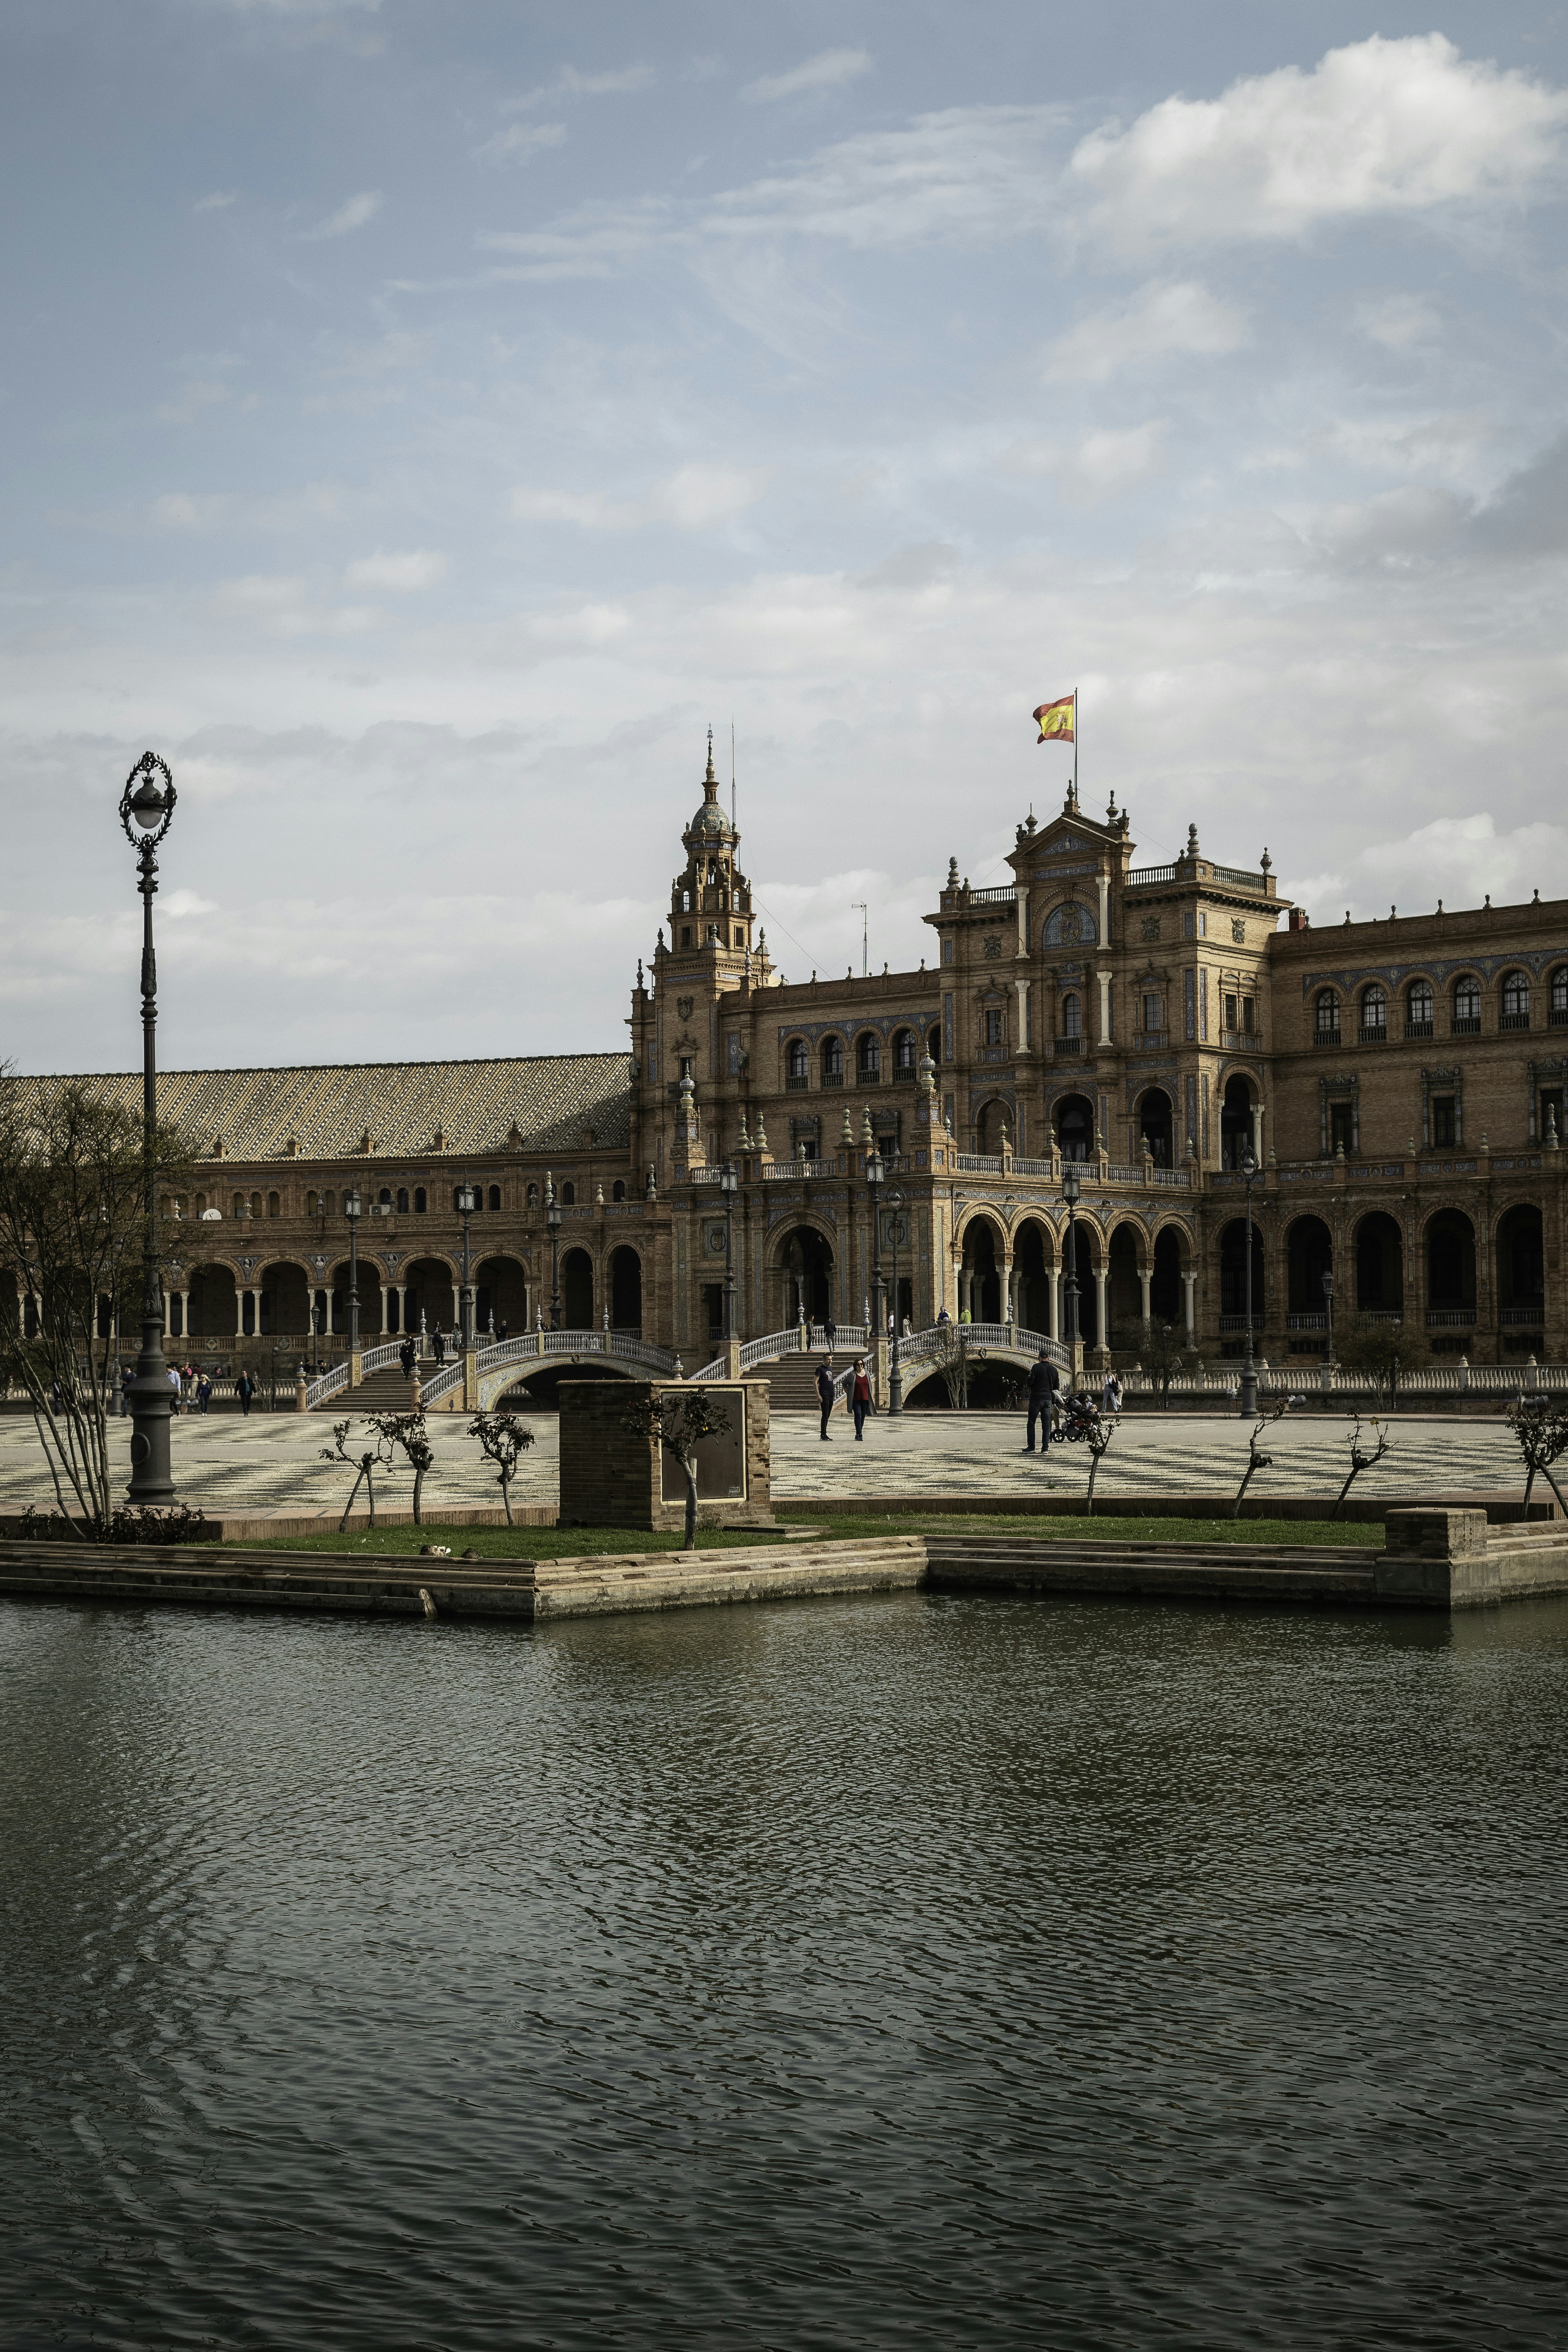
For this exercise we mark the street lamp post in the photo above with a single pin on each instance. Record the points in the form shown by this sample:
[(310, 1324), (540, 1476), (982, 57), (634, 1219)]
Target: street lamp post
[(468, 1202), (729, 1184), (1248, 1369), (874, 1174), (1072, 1185), (1328, 1378), (353, 1209), (146, 812), (553, 1220), (896, 1377)]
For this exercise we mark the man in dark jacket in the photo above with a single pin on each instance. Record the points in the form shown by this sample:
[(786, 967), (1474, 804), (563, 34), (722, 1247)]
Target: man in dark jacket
[(245, 1389), (824, 1391), (1044, 1382)]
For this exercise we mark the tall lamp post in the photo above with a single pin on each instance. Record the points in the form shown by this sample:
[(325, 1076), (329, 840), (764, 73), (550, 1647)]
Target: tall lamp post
[(1072, 1185), (874, 1173), (1328, 1310), (729, 1184), (553, 1220), (353, 1209), (1248, 1369), (896, 1377), (468, 1202), (146, 812)]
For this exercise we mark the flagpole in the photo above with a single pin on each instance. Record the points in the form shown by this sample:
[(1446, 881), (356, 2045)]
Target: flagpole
[(1075, 746)]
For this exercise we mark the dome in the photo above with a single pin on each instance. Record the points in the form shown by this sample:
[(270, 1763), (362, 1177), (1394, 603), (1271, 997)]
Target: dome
[(710, 823)]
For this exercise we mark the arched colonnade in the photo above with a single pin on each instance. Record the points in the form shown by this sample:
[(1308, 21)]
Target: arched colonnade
[(1127, 1274)]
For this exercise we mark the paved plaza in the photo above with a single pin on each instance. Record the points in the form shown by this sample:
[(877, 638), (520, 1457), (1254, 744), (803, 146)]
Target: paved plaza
[(272, 1461)]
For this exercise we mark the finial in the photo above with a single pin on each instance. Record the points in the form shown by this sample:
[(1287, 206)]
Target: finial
[(1268, 863), (1488, 898), (952, 873), (762, 1130), (744, 1140), (639, 972), (1192, 841), (599, 1194), (867, 1138), (650, 1189), (1536, 900), (710, 778), (661, 939), (1392, 912), (847, 1134), (1111, 809)]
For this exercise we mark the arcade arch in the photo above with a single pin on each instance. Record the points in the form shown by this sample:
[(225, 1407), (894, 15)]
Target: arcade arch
[(803, 1259)]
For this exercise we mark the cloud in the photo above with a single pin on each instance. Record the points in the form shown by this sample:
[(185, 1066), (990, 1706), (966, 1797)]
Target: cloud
[(1459, 859), (396, 575), (219, 201), (520, 142), (694, 497), (829, 70), (194, 400), (1379, 127), (1159, 318), (596, 241), (1096, 466), (570, 83), (1399, 322), (186, 902), (354, 215)]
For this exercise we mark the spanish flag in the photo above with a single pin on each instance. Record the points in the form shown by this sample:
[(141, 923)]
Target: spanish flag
[(1058, 720)]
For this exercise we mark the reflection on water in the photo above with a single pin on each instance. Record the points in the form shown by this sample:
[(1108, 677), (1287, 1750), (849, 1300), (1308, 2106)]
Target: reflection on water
[(913, 1971)]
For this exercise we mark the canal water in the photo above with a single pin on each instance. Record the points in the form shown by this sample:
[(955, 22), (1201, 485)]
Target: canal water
[(912, 1971)]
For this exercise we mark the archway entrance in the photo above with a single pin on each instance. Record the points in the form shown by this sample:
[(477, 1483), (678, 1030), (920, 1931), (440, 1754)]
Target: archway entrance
[(1309, 1256), (980, 1274), (1235, 1123), (1031, 1285), (625, 1289), (989, 1128), (429, 1293), (1156, 1126), (1451, 1265), (1073, 1119), (1521, 1267), (576, 1291), (1379, 1265), (214, 1304), (805, 1261), (1079, 1262), (1165, 1279), (285, 1302), (1124, 1303), (1233, 1274), (500, 1289), (369, 1286)]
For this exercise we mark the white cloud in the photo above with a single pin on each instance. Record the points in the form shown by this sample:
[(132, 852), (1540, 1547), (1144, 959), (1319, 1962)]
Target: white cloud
[(219, 201), (520, 142), (1457, 859), (829, 70), (1399, 323), (1157, 319), (694, 497), (1381, 126), (570, 83), (596, 241), (194, 400), (1094, 468), (396, 575), (178, 903), (355, 214)]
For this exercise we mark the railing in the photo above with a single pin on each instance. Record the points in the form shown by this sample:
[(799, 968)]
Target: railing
[(705, 1174), (977, 1163), (1241, 1041), (1450, 1319), (1460, 1380), (1045, 1167), (329, 1385), (833, 1078), (1243, 878), (1307, 1322), (784, 1171), (1328, 1038), (1141, 875), (1171, 1176), (796, 1086), (376, 1359), (999, 898), (1067, 1045), (441, 1384), (1377, 1034), (1417, 1029), (1466, 1024), (1151, 1041), (1239, 1322), (978, 1338), (761, 1351), (1119, 1175), (1558, 1017), (1524, 1317), (1514, 1021), (902, 1077)]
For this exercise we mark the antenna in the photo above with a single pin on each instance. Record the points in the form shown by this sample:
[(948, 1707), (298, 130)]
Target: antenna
[(732, 775), (865, 932)]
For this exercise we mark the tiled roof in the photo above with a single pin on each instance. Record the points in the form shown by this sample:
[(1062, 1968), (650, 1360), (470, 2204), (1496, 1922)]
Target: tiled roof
[(547, 1102)]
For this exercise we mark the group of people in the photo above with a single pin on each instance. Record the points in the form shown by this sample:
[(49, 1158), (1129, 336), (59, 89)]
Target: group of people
[(1047, 1405), (189, 1386), (858, 1396)]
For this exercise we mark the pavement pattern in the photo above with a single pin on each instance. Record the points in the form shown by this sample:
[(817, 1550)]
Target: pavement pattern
[(271, 1462)]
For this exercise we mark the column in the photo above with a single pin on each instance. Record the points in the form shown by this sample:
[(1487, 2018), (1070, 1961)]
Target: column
[(185, 1314), (1102, 1329), (1258, 1131), (1145, 1274), (1009, 1291), (1187, 1281), (239, 1298), (1104, 909), (1054, 1278), (1104, 980)]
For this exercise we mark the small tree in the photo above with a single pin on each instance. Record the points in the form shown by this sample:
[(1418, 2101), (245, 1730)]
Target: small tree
[(681, 1419), (1361, 1458), (1387, 1352), (1540, 1432), (378, 1456), (1164, 1355), (1099, 1434), (505, 1439), (405, 1434), (1255, 1459), (950, 1353)]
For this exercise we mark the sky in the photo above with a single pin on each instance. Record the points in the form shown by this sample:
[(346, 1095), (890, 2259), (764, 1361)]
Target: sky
[(420, 422)]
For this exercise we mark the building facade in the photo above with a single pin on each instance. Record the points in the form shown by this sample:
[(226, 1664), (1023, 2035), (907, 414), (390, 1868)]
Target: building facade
[(1400, 1085)]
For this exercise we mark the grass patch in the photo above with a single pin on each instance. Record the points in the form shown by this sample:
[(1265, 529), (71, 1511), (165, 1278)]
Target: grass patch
[(1100, 1528), (508, 1543)]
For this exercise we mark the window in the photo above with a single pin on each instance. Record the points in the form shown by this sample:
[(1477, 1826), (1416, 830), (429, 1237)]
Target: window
[(418, 1199), (1072, 1016), (313, 1204), (868, 1056), (833, 1061), (686, 1069), (904, 1056), (934, 1046), (386, 1197), (1444, 1125), (534, 1196), (495, 1196), (1558, 1014), (797, 1063), (1418, 1009), (1152, 1021), (1550, 1120), (1230, 1014), (993, 1028), (274, 1204), (947, 950), (1247, 1016), (1466, 1008), (568, 1196), (1516, 1000), (617, 1190), (1373, 1012), (329, 1205), (739, 938), (402, 1199), (1341, 1127), (202, 1203), (686, 935), (237, 1206), (686, 910), (1326, 1018)]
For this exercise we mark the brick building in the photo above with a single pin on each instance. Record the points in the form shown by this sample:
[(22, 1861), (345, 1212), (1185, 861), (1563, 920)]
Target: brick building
[(1400, 1083)]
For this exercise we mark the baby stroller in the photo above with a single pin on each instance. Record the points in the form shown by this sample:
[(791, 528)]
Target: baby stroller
[(1079, 1418)]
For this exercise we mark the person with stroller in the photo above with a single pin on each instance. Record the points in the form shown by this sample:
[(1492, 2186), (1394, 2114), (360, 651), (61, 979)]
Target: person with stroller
[(1043, 1382)]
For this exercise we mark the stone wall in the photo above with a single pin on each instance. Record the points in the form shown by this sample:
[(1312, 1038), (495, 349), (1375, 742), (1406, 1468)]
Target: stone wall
[(611, 1478)]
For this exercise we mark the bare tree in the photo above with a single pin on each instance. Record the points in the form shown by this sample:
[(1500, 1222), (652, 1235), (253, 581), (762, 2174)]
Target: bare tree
[(950, 1353), (1099, 1434), (681, 1419), (505, 1439), (1255, 1459), (1540, 1432), (1163, 1356), (73, 1188), (379, 1455), (1361, 1458), (405, 1432), (1387, 1352)]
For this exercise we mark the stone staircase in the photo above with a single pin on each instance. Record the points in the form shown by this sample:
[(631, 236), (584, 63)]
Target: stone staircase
[(387, 1390), (792, 1380)]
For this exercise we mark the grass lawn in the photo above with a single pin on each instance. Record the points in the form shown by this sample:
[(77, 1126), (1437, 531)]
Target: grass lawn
[(574, 1543)]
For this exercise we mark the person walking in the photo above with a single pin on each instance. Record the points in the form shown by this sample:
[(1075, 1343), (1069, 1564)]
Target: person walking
[(405, 1357), (439, 1345), (860, 1399), (500, 1332), (245, 1389), (174, 1385), (824, 1393), (203, 1394), (1111, 1396), (943, 1316), (1044, 1382), (830, 1330)]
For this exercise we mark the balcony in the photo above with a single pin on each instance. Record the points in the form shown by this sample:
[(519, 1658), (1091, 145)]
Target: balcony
[(1331, 1037), (794, 1086), (1514, 1021), (1530, 1316), (1241, 1041), (1307, 1322), (833, 1078), (872, 1078), (1067, 1046), (1450, 1319), (1417, 1029), (1375, 1035), (1465, 1024), (1558, 1017), (902, 1077), (1238, 1322)]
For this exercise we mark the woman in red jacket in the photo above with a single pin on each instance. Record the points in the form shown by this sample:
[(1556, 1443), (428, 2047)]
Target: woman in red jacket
[(859, 1399)]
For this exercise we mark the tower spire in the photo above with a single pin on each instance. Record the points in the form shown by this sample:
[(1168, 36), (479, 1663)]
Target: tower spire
[(711, 778)]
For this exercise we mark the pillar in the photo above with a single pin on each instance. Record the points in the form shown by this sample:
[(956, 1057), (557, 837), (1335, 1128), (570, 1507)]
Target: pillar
[(239, 1298), (1146, 1275), (1101, 1325), (1009, 1293), (1188, 1280), (1104, 980), (185, 1314), (1054, 1278), (1257, 1131)]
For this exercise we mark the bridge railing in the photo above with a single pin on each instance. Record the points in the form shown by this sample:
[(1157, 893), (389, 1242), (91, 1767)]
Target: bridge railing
[(330, 1384)]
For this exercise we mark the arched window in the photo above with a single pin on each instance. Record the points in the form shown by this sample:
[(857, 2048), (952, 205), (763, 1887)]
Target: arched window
[(833, 1061), (1418, 1009), (797, 1066), (256, 1204), (617, 1190), (1557, 1013), (534, 1196), (1373, 1012), (495, 1196), (1516, 1000), (1326, 1017), (568, 1196), (202, 1203), (934, 1046), (237, 1204), (1072, 1016), (905, 1056), (418, 1199), (402, 1199), (313, 1204), (1468, 1007), (686, 902), (274, 1204), (329, 1205), (1069, 926), (869, 1056), (385, 1196)]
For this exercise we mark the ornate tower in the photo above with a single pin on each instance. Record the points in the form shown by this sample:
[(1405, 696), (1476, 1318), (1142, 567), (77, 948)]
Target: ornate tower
[(710, 900)]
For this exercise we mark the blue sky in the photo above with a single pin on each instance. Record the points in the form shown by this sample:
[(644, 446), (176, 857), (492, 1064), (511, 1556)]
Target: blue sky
[(421, 422)]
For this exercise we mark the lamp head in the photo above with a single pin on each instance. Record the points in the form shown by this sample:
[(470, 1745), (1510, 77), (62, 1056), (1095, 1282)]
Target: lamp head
[(353, 1205), (147, 803), (1072, 1182), (1328, 1285), (728, 1179), (873, 1167), (1248, 1164), (895, 1199), (467, 1200)]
